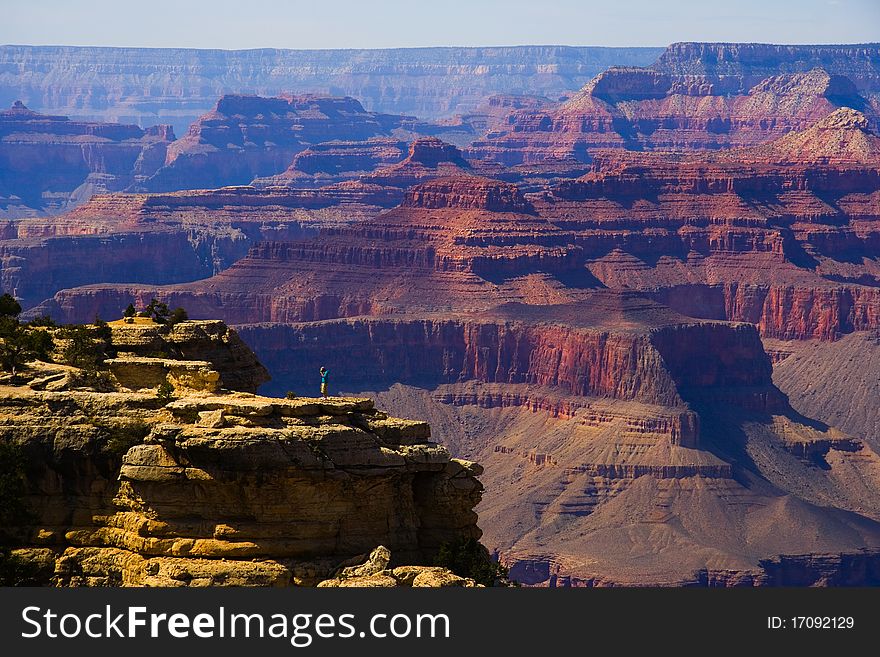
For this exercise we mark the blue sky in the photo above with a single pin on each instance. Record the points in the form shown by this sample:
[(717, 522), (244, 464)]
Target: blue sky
[(405, 23)]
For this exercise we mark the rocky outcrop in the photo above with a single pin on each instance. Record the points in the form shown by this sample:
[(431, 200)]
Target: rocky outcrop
[(467, 194), (428, 158), (494, 111), (247, 137), (135, 84), (194, 341), (223, 488), (51, 163), (375, 573)]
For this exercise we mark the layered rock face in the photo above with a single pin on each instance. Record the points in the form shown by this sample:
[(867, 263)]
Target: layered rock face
[(378, 163), (220, 487), (643, 109), (735, 67), (335, 162), (50, 163), (167, 238), (247, 137), (773, 235), (784, 239), (176, 86), (208, 341)]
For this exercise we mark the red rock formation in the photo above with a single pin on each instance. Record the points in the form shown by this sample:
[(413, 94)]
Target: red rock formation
[(467, 194), (494, 111), (167, 238), (246, 137), (428, 158), (50, 163), (642, 109), (334, 162), (767, 235)]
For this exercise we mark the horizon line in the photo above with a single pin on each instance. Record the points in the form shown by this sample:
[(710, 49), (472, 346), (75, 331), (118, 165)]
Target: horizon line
[(439, 47)]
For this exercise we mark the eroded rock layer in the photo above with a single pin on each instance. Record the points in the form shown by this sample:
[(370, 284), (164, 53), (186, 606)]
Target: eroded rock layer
[(219, 487), (643, 109), (150, 86), (50, 163)]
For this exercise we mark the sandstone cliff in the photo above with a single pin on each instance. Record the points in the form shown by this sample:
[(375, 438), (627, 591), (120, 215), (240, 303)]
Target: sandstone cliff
[(215, 487)]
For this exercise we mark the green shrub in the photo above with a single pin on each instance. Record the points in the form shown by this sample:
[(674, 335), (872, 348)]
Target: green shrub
[(21, 344), (9, 307), (177, 316), (123, 438), (469, 558), (43, 321), (165, 392), (82, 350)]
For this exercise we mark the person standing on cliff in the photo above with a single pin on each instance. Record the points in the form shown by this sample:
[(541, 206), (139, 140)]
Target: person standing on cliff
[(324, 374)]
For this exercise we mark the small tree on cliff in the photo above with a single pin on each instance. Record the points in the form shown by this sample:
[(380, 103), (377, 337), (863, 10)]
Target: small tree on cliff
[(165, 392), (9, 307), (469, 558), (82, 350), (177, 316), (157, 310), (129, 311), (20, 344)]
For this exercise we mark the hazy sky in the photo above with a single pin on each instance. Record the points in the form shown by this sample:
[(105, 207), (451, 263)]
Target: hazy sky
[(403, 23)]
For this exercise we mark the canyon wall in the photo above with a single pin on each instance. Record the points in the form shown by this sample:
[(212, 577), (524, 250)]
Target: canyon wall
[(185, 83), (736, 67), (49, 163), (642, 110)]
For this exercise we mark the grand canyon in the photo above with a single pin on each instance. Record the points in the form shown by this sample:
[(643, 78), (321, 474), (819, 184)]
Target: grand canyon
[(622, 306)]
